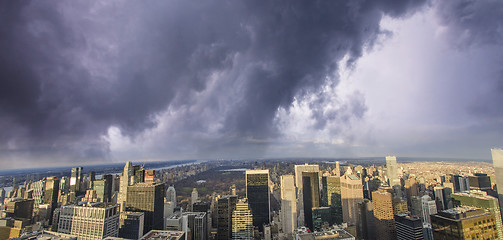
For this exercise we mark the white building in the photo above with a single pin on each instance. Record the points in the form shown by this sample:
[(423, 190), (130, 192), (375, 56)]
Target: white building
[(90, 222)]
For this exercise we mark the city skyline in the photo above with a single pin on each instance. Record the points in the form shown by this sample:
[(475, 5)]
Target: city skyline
[(100, 82)]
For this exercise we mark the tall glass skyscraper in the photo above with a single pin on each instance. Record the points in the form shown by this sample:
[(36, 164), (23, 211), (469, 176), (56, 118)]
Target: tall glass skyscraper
[(257, 192)]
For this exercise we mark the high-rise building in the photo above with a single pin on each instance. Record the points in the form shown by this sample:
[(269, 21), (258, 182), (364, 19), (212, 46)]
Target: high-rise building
[(149, 176), (20, 208), (299, 169), (464, 223), (89, 222), (480, 199), (242, 221), (38, 188), (171, 194), (311, 196), (321, 217), (408, 227), (497, 155), (51, 194), (127, 179), (76, 180), (461, 183), (366, 220), (337, 169), (131, 225), (102, 188), (225, 206), (479, 181), (351, 195), (332, 190), (193, 197), (392, 174), (147, 198), (429, 207), (288, 204), (257, 192), (383, 213)]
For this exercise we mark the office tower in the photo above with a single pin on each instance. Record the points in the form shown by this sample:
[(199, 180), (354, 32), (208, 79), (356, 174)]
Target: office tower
[(149, 176), (429, 207), (321, 217), (128, 178), (392, 174), (51, 194), (408, 227), (242, 221), (383, 213), (351, 195), (201, 207), (226, 206), (411, 189), (332, 190), (288, 204), (76, 180), (193, 197), (257, 192), (20, 208), (147, 198), (171, 194), (463, 223), (497, 155), (164, 235), (461, 183), (311, 196), (416, 207), (299, 169), (103, 189), (197, 222), (92, 176), (131, 225), (89, 222), (480, 199), (366, 220), (479, 181), (38, 188)]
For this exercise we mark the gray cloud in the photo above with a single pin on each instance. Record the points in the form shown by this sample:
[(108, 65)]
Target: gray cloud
[(70, 70)]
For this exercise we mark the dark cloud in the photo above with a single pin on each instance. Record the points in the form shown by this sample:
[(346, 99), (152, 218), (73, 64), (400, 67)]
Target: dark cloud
[(70, 70)]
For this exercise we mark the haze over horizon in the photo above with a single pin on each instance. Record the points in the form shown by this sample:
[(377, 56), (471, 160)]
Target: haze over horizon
[(86, 82)]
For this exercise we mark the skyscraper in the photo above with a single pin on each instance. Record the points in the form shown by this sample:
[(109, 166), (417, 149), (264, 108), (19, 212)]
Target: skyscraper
[(392, 174), (171, 195), (408, 227), (76, 180), (147, 198), (351, 195), (225, 206), (89, 222), (332, 190), (480, 199), (242, 221), (497, 155), (311, 196), (383, 213), (127, 179), (257, 192), (299, 169), (429, 208), (288, 204), (463, 223), (193, 197), (51, 194)]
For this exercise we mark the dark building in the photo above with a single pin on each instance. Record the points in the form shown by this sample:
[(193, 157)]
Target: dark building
[(479, 181), (461, 183), (321, 216), (311, 196), (366, 220), (225, 206), (92, 176), (408, 227), (131, 225), (20, 208), (149, 199), (51, 194), (332, 197), (201, 207), (257, 192), (464, 223)]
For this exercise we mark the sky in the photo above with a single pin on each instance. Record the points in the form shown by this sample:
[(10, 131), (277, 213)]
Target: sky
[(84, 82)]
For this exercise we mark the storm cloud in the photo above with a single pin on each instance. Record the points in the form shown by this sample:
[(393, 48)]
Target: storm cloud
[(211, 76)]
